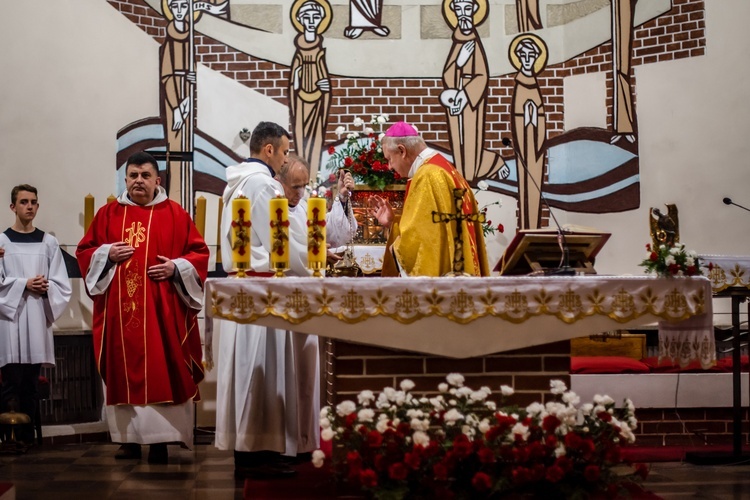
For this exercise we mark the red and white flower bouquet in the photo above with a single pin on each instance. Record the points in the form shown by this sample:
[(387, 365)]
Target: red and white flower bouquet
[(461, 444)]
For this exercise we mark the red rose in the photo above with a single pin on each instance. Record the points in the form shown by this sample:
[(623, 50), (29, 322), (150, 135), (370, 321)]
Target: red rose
[(396, 175), (398, 471), (564, 463), (592, 473), (348, 161), (350, 419), (412, 460), (331, 150), (674, 268), (481, 481), (368, 478), (648, 247), (641, 470), (332, 178), (500, 228), (550, 423), (440, 471), (486, 456), (653, 256), (374, 439), (691, 270), (604, 416), (554, 474)]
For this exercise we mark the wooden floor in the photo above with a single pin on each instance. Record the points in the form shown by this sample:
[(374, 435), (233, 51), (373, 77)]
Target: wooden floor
[(83, 471)]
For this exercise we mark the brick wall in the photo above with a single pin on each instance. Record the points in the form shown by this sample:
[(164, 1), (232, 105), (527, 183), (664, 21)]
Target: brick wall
[(528, 371), (687, 426)]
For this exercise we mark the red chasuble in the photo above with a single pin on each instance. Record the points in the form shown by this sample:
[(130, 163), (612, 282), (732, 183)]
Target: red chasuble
[(146, 339)]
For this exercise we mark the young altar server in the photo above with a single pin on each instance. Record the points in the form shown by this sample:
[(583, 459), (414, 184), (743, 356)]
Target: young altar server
[(34, 292)]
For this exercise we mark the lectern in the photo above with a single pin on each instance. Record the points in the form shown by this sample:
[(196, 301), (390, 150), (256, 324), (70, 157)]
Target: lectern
[(541, 250)]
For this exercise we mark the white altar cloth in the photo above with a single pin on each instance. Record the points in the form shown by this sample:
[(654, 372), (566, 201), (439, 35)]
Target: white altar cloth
[(460, 317), (727, 271)]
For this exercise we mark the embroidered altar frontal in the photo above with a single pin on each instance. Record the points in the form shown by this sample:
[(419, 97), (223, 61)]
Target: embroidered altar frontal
[(459, 317)]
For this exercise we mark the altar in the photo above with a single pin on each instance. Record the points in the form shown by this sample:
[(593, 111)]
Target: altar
[(464, 317)]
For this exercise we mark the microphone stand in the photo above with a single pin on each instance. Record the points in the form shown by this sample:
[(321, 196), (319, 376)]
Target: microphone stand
[(728, 201), (563, 269)]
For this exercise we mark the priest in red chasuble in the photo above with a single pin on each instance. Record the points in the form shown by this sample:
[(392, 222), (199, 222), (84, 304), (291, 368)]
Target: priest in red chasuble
[(417, 245), (144, 264)]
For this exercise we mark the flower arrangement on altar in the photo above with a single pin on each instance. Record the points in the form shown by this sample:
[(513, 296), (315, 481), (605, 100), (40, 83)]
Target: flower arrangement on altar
[(362, 154), (672, 261), (460, 444)]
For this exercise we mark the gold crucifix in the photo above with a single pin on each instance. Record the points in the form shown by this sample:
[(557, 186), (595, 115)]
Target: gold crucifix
[(459, 216)]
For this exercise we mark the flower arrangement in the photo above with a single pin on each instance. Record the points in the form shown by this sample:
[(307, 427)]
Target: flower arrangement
[(461, 444), (672, 261), (362, 154), (487, 226)]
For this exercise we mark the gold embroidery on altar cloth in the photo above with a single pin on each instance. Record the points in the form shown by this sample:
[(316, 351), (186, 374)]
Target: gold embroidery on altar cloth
[(516, 304), (297, 303), (462, 303), (623, 304), (136, 234), (407, 303), (675, 303), (570, 304), (353, 303), (242, 303)]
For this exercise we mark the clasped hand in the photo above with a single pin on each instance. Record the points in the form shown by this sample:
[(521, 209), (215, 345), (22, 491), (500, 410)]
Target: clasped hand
[(120, 252), (38, 284)]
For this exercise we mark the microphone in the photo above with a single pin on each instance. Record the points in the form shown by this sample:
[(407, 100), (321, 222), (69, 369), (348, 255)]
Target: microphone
[(728, 201), (563, 269)]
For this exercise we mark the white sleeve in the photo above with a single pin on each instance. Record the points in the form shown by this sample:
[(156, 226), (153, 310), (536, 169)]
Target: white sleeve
[(188, 284), (340, 226), (96, 279), (59, 291), (11, 293)]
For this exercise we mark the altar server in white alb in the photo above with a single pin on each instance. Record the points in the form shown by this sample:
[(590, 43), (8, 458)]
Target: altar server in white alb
[(268, 398), (34, 292)]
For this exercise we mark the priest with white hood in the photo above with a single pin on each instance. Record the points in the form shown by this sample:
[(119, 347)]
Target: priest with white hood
[(144, 263), (34, 292), (268, 399)]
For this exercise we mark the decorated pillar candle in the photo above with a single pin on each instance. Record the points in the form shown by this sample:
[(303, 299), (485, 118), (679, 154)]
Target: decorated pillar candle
[(241, 232), (316, 233), (279, 214)]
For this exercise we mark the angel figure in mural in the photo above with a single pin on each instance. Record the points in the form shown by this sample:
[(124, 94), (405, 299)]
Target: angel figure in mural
[(310, 85), (177, 74), (365, 15), (465, 78), (527, 12), (528, 54), (622, 41)]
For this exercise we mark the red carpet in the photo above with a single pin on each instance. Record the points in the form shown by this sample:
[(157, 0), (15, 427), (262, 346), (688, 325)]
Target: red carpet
[(648, 454)]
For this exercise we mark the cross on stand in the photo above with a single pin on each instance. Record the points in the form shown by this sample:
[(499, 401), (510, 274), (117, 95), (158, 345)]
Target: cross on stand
[(458, 217)]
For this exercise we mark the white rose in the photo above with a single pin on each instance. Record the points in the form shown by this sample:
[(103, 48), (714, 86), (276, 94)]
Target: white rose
[(365, 397), (358, 122), (421, 438), (327, 434), (318, 457), (443, 387), (490, 405), (452, 415), (407, 385), (345, 408), (380, 139), (482, 185), (381, 426), (520, 430), (369, 130), (557, 386), (464, 392), (365, 415), (352, 135), (484, 426), (478, 396), (382, 119), (670, 260), (455, 379), (506, 390), (340, 131), (325, 423)]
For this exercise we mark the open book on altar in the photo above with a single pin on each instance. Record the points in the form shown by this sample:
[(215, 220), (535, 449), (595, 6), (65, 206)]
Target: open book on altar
[(540, 250)]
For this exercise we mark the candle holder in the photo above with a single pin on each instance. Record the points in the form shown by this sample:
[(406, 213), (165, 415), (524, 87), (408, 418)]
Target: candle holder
[(240, 268), (316, 267), (280, 268)]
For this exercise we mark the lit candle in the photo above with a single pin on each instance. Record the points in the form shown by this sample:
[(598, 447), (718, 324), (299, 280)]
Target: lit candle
[(316, 234), (279, 214), (88, 211), (241, 233)]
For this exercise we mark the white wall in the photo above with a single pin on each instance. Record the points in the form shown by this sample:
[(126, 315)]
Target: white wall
[(694, 123)]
